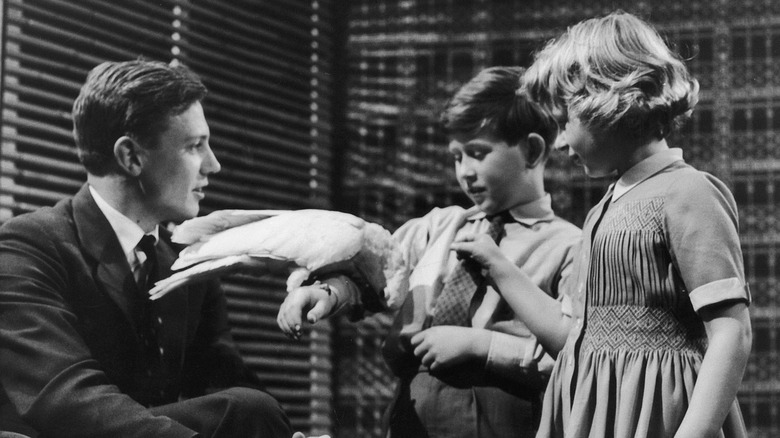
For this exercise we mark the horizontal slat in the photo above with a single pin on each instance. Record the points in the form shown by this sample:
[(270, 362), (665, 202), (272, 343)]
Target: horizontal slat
[(50, 80), (42, 162), (36, 93), (263, 116), (110, 30), (54, 34), (32, 178), (285, 39)]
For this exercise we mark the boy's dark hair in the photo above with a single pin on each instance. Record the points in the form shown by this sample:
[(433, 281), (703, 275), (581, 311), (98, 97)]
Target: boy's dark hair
[(132, 98), (491, 104)]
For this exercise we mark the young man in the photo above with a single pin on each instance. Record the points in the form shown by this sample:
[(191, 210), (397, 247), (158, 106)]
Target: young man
[(83, 352), (467, 366)]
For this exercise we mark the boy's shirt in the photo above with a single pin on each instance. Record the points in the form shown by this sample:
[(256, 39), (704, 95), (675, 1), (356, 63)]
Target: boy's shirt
[(537, 241)]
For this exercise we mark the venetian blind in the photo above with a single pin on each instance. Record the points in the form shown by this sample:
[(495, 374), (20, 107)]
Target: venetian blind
[(266, 64)]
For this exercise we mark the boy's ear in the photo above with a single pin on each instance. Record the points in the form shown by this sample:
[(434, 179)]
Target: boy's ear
[(536, 150), (127, 154)]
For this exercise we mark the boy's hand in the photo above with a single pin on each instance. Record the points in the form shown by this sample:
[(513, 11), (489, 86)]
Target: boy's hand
[(315, 301), (480, 248), (446, 346)]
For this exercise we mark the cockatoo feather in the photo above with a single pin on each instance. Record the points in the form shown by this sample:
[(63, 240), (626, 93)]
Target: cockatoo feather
[(307, 243)]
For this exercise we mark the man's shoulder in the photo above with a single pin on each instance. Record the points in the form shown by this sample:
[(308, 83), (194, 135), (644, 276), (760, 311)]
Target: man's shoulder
[(55, 218)]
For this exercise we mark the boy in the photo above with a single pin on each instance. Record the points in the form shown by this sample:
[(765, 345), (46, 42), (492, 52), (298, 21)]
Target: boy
[(467, 366)]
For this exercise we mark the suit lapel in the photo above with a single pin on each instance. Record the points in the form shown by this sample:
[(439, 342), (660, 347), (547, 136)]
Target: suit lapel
[(112, 272)]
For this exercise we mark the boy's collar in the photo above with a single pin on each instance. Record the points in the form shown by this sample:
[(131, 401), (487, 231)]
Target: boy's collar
[(528, 214), (645, 169)]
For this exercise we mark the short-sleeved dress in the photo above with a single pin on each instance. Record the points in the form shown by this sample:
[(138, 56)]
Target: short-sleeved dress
[(660, 248)]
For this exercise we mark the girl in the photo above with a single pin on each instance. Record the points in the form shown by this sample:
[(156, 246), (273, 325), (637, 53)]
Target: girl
[(654, 330)]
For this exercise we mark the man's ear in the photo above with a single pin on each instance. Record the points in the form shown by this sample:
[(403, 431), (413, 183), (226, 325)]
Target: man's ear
[(127, 153), (536, 150)]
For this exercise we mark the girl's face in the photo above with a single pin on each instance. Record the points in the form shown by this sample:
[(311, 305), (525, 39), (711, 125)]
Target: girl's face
[(493, 174), (599, 156)]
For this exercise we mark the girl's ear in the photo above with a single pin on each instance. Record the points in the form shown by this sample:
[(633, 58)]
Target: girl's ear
[(536, 152), (127, 153)]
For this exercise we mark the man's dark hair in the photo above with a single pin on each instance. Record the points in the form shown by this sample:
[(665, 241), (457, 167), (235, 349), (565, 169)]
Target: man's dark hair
[(132, 98)]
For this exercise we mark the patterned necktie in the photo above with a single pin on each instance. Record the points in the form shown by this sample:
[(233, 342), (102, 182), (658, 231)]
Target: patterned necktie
[(452, 305), (149, 269), (148, 327)]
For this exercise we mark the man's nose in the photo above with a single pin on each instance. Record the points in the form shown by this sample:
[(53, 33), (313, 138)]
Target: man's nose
[(210, 163)]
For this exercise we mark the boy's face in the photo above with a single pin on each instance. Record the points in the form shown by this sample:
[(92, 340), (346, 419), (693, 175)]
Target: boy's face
[(177, 167), (493, 174)]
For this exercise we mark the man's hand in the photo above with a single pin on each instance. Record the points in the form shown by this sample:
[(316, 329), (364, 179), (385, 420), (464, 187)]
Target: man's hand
[(315, 302), (447, 346), (301, 435)]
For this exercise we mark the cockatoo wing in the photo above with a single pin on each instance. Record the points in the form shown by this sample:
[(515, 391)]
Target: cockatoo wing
[(311, 242), (203, 227)]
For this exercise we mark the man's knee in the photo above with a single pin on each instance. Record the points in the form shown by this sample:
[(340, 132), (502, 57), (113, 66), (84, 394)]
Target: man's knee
[(255, 409), (252, 401)]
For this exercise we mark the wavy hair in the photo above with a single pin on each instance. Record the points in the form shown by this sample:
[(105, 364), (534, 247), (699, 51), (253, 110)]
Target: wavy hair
[(491, 104), (617, 75)]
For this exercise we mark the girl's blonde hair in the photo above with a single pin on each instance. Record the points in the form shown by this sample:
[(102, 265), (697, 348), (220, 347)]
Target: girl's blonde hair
[(617, 75)]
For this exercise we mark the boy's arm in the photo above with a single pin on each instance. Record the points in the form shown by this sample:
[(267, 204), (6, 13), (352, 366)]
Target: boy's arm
[(541, 313), (339, 293), (320, 300)]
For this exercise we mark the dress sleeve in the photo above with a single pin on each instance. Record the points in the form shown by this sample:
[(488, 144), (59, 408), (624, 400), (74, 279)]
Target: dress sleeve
[(702, 228)]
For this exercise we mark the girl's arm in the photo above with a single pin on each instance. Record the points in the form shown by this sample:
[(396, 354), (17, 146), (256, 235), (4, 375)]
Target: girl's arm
[(540, 312), (729, 335)]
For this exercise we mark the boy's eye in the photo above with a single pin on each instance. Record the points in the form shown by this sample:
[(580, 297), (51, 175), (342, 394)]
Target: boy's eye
[(477, 155), (456, 158)]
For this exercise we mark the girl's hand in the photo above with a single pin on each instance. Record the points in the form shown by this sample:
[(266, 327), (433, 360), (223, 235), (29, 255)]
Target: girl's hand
[(445, 346), (315, 302), (480, 248)]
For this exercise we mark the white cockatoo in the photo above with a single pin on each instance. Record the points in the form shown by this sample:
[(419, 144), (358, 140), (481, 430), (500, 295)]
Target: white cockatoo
[(308, 243)]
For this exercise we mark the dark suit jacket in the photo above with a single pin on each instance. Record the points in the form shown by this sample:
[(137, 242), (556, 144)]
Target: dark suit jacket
[(71, 359)]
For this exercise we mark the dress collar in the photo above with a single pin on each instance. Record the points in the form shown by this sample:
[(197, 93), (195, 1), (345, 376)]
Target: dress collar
[(645, 169), (528, 214)]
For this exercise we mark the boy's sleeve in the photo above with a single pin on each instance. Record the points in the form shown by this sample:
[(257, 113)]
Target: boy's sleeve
[(358, 300), (515, 352), (519, 358)]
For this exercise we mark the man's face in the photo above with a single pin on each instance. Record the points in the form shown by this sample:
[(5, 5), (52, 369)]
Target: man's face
[(176, 169), (493, 174)]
